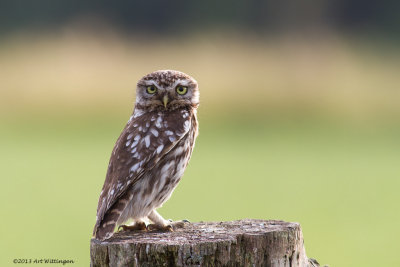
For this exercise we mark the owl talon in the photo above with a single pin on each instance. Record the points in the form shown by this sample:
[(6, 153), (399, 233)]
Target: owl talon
[(138, 226), (156, 227)]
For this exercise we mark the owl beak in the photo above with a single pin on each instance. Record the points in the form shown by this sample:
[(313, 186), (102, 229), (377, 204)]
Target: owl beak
[(165, 101)]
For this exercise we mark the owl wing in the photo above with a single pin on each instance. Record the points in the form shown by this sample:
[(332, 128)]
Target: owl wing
[(144, 141)]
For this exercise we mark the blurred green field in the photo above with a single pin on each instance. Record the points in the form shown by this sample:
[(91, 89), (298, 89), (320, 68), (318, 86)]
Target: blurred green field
[(317, 142), (339, 181)]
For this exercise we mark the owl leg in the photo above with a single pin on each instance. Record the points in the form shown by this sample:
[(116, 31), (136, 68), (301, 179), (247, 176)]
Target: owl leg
[(139, 225), (159, 223)]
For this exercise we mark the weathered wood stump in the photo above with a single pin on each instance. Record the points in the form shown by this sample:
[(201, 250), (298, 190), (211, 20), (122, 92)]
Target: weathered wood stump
[(236, 243)]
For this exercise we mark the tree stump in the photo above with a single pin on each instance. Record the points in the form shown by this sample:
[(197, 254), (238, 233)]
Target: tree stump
[(236, 243)]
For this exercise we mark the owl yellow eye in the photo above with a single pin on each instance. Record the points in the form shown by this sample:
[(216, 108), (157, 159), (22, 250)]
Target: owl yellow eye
[(151, 89), (181, 89)]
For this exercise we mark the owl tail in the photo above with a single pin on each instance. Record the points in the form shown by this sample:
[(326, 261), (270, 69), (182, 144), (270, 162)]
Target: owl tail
[(105, 228)]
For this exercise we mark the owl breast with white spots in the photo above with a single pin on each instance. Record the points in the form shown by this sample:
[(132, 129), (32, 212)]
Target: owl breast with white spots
[(152, 152), (161, 181)]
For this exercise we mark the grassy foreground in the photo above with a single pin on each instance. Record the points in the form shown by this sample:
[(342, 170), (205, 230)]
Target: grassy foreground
[(339, 181)]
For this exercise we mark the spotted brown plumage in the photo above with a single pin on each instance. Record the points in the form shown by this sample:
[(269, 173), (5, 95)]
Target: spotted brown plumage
[(151, 154)]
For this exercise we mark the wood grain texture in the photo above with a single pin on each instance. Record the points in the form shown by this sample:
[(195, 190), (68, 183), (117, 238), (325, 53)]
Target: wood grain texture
[(235, 243)]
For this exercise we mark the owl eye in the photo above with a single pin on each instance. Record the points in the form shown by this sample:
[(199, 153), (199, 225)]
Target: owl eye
[(151, 89), (181, 90)]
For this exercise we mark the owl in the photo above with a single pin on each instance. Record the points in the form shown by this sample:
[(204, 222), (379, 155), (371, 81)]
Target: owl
[(151, 154)]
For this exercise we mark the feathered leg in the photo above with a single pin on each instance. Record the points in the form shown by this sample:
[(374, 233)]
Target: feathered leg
[(159, 223)]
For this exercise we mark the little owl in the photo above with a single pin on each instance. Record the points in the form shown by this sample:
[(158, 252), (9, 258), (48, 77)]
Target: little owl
[(150, 155)]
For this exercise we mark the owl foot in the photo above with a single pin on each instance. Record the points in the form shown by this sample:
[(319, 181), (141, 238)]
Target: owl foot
[(160, 224), (162, 228), (170, 227), (138, 226)]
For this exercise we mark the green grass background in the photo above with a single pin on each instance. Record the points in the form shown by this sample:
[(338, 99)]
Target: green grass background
[(327, 158)]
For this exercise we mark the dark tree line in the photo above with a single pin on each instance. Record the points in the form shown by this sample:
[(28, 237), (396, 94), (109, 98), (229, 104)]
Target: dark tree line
[(161, 16)]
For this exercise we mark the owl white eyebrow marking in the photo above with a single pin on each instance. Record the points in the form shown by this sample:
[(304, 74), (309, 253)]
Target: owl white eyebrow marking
[(181, 82), (151, 82)]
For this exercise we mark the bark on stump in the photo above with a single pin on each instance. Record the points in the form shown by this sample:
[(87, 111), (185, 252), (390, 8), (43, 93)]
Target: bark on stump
[(236, 243)]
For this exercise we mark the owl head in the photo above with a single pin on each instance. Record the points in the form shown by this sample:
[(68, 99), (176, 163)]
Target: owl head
[(165, 90)]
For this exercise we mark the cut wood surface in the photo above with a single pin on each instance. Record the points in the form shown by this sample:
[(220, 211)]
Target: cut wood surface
[(235, 243)]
